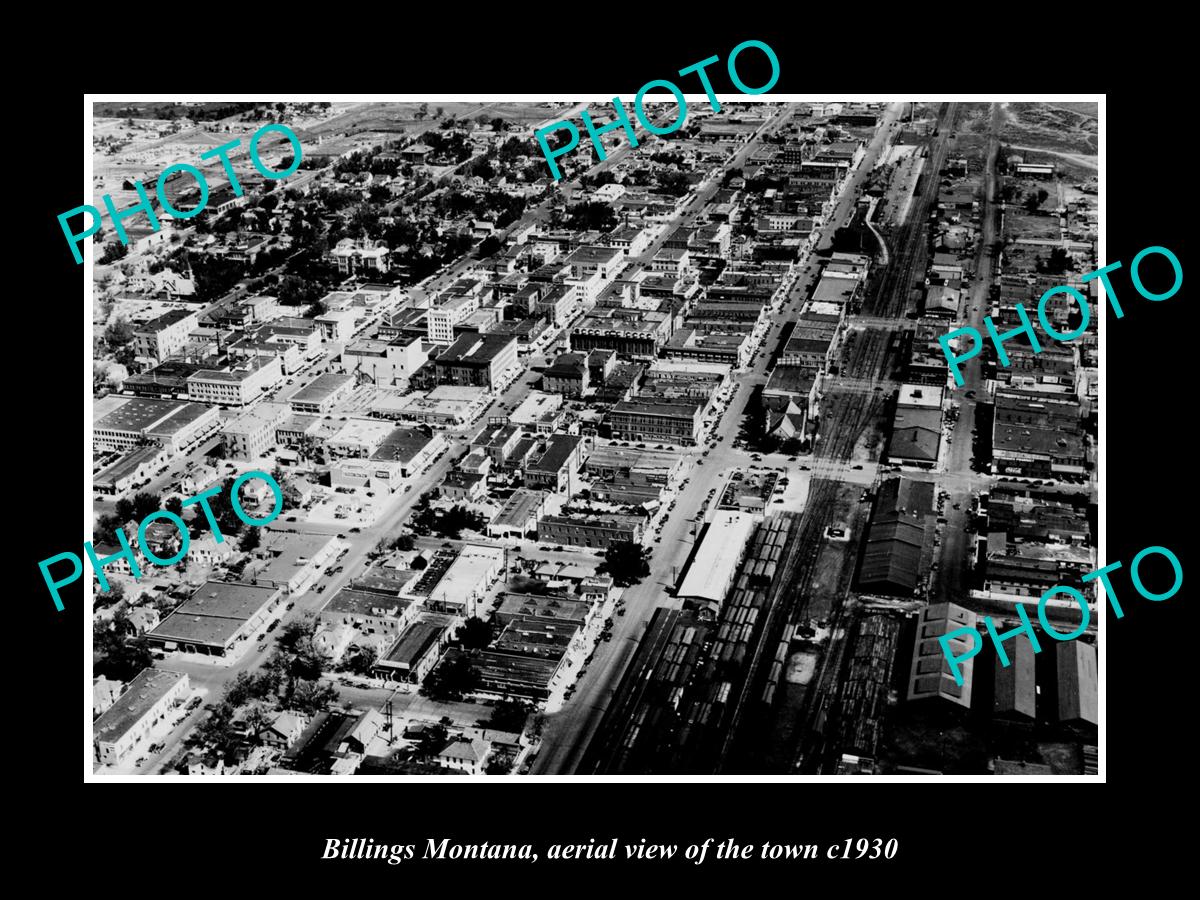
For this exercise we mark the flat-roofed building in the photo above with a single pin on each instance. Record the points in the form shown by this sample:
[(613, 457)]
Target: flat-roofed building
[(385, 363), (254, 431), (1037, 434), (514, 673), (217, 616), (415, 652), (134, 467), (930, 676), (238, 385), (167, 380), (322, 394), (543, 608), (676, 422), (449, 312), (368, 612), (554, 465), (467, 579), (590, 531), (519, 515), (163, 336), (917, 427), (150, 697), (359, 437), (128, 422), (731, 348), (478, 360), (630, 332), (292, 560), (567, 375), (715, 564)]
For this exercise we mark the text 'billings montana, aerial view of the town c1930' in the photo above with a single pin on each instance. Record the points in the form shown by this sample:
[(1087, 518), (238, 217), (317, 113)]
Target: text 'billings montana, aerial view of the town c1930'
[(654, 468)]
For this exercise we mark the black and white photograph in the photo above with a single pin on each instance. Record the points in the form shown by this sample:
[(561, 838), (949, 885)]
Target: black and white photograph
[(698, 433)]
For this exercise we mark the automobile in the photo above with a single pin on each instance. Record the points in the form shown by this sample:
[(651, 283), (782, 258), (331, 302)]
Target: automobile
[(856, 467), (970, 395), (272, 626), (290, 519), (341, 537), (320, 588), (620, 611), (780, 500), (292, 605), (699, 462), (792, 458), (558, 549), (355, 530), (705, 453), (193, 703)]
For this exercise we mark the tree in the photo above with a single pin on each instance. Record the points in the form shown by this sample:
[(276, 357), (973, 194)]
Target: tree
[(509, 715), (419, 563), (119, 333), (451, 680), (257, 720), (122, 659), (311, 697), (626, 562), (250, 540), (364, 660), (403, 542), (217, 729), (474, 634), (114, 251), (175, 505)]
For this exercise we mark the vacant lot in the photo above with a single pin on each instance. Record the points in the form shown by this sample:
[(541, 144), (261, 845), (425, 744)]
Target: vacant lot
[(1051, 126)]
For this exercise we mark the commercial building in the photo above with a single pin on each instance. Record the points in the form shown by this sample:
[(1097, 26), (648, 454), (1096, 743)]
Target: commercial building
[(384, 363), (127, 422), (1037, 434), (150, 697), (367, 612), (163, 336), (254, 431), (519, 515), (217, 616), (917, 428), (134, 467), (466, 580), (676, 422), (731, 348), (630, 332), (514, 674), (238, 385), (554, 464), (415, 652), (930, 676), (450, 311), (322, 394), (567, 375), (291, 560), (715, 564), (590, 531), (478, 360)]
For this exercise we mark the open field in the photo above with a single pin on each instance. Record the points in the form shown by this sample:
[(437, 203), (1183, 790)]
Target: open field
[(1051, 127)]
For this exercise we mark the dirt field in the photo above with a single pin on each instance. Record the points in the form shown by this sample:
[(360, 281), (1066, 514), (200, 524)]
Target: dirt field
[(1052, 126)]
